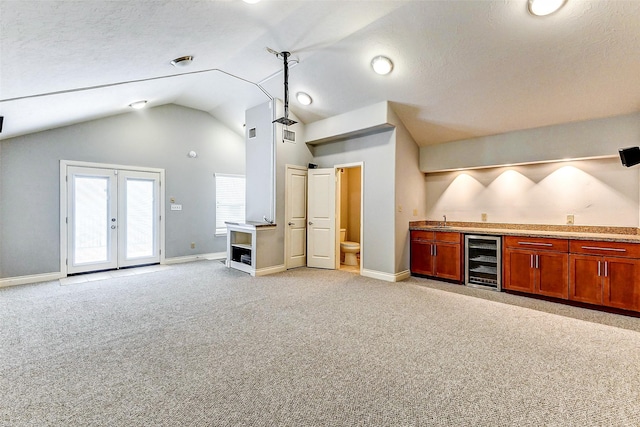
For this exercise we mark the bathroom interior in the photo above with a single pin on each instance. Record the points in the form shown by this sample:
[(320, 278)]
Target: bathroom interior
[(350, 212)]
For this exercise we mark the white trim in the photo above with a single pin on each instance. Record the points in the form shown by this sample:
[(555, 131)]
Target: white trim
[(191, 258), (387, 277), (270, 270), (63, 204), (34, 278)]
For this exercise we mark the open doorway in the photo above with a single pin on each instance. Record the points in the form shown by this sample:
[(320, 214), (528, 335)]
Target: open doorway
[(349, 217)]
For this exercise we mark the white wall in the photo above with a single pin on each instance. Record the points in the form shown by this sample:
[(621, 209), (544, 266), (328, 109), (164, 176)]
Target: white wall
[(598, 192)]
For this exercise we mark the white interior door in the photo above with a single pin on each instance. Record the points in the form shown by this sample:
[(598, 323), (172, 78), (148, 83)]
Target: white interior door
[(113, 218), (321, 228), (296, 217)]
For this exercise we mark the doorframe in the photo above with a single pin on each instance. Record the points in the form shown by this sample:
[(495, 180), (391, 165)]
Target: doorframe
[(362, 237), (64, 255), (287, 231)]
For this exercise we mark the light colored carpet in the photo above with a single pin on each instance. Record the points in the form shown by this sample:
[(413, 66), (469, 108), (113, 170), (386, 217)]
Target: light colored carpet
[(200, 344)]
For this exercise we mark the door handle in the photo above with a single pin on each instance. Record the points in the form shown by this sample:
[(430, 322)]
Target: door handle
[(291, 223), (113, 227), (310, 223)]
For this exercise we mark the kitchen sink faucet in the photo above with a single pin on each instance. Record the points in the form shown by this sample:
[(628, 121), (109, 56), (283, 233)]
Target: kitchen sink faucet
[(444, 224)]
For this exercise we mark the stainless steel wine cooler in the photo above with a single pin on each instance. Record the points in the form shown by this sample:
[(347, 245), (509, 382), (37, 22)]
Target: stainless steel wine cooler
[(483, 262)]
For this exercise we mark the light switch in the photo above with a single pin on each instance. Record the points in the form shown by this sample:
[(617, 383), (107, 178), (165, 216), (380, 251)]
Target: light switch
[(176, 207)]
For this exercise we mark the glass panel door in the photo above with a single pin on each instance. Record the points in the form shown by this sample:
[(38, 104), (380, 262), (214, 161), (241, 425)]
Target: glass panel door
[(92, 231), (139, 214), (113, 218)]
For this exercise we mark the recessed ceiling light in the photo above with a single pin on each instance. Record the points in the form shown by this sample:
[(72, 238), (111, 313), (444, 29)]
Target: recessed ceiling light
[(304, 98), (544, 7), (382, 65), (138, 104), (183, 61)]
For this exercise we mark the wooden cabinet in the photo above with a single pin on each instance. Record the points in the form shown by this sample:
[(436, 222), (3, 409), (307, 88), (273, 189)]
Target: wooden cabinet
[(437, 253), (605, 273), (536, 265)]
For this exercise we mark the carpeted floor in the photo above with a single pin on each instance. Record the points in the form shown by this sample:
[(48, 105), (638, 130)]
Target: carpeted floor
[(199, 344)]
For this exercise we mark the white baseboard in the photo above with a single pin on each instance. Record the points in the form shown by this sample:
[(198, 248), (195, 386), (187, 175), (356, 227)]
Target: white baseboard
[(387, 277), (270, 270), (191, 258), (34, 278)]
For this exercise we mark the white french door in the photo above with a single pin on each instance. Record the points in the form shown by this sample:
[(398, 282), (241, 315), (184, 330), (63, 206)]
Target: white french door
[(113, 218)]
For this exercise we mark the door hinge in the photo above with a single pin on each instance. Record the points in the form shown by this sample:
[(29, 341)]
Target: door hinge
[(66, 178), (66, 261), (66, 220)]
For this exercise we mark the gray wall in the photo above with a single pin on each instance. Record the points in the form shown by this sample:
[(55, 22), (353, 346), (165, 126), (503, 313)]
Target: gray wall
[(577, 140), (260, 163), (159, 137), (378, 154), (262, 200), (411, 190)]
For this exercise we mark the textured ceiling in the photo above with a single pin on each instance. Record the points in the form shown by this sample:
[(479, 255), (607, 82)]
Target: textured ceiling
[(462, 68)]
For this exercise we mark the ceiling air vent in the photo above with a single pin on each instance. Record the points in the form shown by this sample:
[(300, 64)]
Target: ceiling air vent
[(289, 135), (252, 133)]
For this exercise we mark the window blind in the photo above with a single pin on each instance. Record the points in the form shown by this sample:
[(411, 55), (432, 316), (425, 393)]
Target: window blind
[(230, 200)]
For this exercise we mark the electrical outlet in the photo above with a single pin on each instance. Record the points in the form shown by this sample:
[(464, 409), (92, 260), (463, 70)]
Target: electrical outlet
[(193, 245), (415, 212), (570, 219), (399, 208), (483, 216), (173, 200)]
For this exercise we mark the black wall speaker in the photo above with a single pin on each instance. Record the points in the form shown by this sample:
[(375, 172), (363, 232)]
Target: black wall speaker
[(1, 120), (630, 156)]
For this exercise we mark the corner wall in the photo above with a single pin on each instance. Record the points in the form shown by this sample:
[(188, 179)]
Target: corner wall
[(410, 190), (159, 137)]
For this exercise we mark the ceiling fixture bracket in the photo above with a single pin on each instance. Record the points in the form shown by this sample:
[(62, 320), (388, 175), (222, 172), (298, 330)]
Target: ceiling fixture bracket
[(285, 120)]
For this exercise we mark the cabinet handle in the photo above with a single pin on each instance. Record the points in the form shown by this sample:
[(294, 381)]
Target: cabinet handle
[(535, 244), (538, 261), (606, 268), (598, 268), (595, 248), (531, 261)]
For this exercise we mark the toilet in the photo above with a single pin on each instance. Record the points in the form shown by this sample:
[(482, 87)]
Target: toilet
[(348, 249)]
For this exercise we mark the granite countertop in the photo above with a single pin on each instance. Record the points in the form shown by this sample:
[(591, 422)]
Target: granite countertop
[(604, 234)]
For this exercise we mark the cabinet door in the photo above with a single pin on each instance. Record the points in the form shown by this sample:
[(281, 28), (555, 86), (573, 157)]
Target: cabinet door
[(553, 274), (585, 281), (421, 258), (518, 270), (621, 288), (448, 261)]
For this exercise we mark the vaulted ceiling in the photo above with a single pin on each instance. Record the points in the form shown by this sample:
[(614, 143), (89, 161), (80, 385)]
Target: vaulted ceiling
[(461, 68)]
